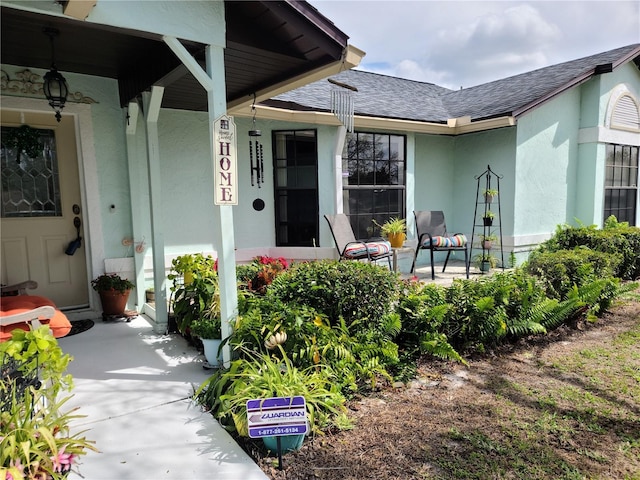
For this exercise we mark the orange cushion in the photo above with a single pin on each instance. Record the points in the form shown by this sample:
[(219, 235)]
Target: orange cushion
[(59, 323)]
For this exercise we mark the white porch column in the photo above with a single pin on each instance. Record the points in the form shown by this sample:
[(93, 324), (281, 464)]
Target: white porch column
[(136, 208), (224, 239), (151, 104)]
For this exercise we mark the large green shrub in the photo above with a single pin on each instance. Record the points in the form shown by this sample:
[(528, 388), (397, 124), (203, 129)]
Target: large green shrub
[(362, 293), (310, 340), (560, 270), (615, 239)]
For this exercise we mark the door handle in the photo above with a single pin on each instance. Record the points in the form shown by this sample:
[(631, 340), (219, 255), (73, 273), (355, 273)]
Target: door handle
[(77, 243)]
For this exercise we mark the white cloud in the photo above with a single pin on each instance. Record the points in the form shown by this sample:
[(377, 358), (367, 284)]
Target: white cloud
[(464, 43), (494, 45)]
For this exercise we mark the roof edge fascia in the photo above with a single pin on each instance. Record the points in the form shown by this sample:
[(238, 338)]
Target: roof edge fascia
[(362, 122), (351, 57), (573, 83)]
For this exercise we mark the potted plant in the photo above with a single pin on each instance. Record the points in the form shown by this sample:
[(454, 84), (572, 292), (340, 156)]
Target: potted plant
[(488, 218), (489, 194), (209, 330), (394, 230), (486, 241), (485, 261), (150, 295), (114, 292)]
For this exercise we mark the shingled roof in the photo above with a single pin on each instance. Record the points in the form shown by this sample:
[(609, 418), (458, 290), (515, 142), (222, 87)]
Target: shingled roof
[(397, 98)]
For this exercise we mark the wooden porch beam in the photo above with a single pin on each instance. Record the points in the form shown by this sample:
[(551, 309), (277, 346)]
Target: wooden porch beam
[(79, 9), (187, 59)]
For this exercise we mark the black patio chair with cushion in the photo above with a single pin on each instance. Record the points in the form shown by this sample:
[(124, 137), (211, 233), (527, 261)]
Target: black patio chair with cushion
[(433, 236), (351, 249)]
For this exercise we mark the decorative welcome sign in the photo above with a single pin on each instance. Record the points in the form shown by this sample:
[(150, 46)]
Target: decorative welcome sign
[(277, 416), (225, 161)]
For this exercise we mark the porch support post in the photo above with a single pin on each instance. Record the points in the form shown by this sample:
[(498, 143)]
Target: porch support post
[(151, 105), (133, 109), (223, 236), (338, 147)]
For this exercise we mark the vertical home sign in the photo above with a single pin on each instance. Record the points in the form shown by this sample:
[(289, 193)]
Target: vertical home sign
[(225, 160)]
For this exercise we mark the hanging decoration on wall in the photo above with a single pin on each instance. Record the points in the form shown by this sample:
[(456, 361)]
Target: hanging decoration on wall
[(342, 104), (255, 151)]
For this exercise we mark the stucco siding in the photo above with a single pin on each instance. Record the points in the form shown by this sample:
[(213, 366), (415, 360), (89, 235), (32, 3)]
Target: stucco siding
[(546, 167), (434, 175), (473, 153), (187, 19)]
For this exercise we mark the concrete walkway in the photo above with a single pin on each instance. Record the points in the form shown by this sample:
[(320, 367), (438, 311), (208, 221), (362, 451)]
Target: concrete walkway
[(134, 388)]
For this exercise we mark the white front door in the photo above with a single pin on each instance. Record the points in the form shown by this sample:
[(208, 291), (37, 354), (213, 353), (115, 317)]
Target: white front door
[(41, 206)]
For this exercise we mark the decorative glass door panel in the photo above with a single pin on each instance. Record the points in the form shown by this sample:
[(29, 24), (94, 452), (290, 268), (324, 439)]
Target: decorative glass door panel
[(30, 185)]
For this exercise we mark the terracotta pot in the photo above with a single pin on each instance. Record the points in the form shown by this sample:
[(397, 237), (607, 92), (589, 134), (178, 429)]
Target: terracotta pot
[(113, 301), (396, 239), (486, 244)]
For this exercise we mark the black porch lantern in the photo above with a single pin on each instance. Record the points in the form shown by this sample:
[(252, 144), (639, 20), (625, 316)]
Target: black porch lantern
[(55, 86)]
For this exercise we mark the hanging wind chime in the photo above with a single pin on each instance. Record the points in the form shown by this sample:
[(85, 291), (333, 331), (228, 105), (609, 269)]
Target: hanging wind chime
[(342, 104), (255, 151)]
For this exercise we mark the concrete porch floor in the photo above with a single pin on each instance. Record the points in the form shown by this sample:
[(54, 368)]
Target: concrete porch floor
[(134, 387)]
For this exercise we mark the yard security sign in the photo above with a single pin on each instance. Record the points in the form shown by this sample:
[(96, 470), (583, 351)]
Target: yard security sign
[(225, 161), (277, 416)]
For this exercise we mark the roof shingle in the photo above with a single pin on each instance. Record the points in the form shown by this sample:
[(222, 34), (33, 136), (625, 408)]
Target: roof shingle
[(398, 98)]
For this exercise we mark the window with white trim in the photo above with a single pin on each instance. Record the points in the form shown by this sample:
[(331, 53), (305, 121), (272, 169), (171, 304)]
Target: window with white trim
[(373, 180), (621, 183)]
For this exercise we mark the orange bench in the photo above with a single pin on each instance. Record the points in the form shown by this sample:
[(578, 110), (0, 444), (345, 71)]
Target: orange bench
[(29, 311)]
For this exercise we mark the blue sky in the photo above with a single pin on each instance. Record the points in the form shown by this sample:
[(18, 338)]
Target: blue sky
[(465, 43)]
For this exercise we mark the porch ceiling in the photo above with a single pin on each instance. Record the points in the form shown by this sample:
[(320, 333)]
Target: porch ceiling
[(267, 43)]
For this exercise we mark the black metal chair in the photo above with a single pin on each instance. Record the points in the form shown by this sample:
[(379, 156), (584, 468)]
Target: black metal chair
[(351, 249), (432, 235)]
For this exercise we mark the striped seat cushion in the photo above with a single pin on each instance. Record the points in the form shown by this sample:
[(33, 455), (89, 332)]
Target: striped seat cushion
[(458, 240), (359, 250)]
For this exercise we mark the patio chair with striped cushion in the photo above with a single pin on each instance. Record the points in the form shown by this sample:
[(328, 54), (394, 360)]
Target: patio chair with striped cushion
[(432, 235), (351, 249)]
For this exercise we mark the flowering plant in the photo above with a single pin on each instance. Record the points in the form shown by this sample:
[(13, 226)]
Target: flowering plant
[(35, 437), (267, 269)]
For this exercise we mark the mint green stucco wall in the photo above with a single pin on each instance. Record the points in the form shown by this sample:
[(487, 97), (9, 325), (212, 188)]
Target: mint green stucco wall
[(546, 166), (434, 175), (187, 169), (197, 20), (473, 153)]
